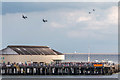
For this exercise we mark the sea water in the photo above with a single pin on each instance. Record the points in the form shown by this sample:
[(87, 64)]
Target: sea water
[(93, 57)]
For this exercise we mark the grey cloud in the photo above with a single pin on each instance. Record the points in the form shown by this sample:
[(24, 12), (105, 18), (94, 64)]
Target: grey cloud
[(61, 21), (18, 7)]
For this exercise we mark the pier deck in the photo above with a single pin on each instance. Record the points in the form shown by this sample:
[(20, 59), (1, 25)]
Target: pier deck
[(60, 69)]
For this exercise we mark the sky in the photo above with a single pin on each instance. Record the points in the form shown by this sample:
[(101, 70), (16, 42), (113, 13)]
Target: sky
[(70, 27), (59, 0), (0, 25)]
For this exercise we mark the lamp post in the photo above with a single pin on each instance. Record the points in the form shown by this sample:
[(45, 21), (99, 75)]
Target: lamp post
[(89, 54)]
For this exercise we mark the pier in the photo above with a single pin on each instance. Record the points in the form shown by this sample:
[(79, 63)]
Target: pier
[(64, 68)]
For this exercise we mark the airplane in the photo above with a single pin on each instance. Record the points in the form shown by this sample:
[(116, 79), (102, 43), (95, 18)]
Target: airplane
[(44, 20), (89, 12), (24, 17), (93, 9)]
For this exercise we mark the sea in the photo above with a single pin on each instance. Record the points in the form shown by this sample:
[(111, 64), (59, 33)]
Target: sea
[(93, 57), (78, 58)]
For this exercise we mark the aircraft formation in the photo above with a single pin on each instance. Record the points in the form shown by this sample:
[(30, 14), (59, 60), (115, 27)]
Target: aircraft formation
[(44, 20), (25, 17), (92, 10)]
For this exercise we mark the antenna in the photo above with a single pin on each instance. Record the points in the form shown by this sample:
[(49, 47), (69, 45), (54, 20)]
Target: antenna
[(88, 53), (88, 48), (75, 52)]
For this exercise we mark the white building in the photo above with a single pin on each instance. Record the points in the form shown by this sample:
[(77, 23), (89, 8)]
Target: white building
[(30, 54)]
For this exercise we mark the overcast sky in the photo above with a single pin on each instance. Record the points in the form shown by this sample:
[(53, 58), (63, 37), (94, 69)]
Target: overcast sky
[(70, 27)]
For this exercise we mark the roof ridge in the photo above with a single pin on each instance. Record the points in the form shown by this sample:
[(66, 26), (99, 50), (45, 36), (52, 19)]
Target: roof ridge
[(27, 46), (33, 50)]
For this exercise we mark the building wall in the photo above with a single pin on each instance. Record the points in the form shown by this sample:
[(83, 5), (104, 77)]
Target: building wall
[(29, 58)]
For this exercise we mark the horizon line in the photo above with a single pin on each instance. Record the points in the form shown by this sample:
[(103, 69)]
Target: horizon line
[(95, 53)]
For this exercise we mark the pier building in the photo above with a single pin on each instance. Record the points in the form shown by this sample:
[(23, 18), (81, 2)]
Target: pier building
[(28, 54)]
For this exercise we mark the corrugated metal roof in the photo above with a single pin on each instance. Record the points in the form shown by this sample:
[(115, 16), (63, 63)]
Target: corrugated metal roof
[(34, 50)]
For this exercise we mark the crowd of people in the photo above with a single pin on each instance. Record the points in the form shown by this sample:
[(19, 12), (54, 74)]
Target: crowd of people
[(30, 64)]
